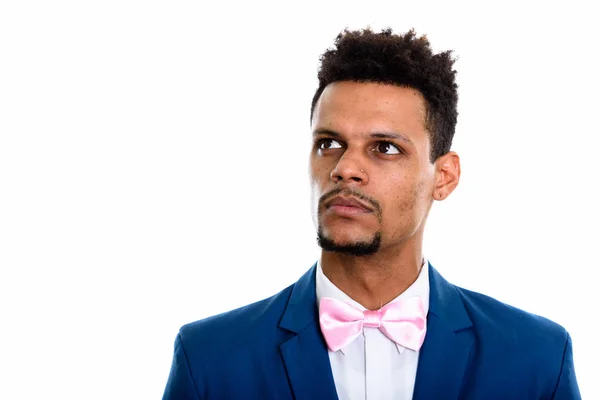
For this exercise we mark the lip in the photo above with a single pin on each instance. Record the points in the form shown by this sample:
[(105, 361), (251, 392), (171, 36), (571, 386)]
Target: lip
[(347, 211), (348, 204)]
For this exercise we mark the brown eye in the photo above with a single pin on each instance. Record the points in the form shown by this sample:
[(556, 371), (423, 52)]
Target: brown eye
[(387, 148), (325, 144)]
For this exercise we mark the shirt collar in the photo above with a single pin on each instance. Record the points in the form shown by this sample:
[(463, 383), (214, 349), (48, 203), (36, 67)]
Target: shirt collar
[(420, 287)]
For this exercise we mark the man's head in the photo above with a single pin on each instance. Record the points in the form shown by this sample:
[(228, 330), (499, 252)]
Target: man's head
[(383, 118)]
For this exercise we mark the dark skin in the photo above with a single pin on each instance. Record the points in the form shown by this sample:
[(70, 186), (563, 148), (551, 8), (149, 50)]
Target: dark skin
[(370, 142)]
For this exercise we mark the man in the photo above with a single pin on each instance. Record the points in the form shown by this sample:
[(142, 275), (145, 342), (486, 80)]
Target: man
[(372, 319)]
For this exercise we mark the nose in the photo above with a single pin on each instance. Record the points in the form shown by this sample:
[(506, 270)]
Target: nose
[(349, 170)]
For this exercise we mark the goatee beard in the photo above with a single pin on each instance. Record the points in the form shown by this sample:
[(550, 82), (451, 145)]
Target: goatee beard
[(352, 249)]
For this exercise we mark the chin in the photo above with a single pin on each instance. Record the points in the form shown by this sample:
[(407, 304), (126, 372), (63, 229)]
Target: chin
[(343, 236), (355, 246)]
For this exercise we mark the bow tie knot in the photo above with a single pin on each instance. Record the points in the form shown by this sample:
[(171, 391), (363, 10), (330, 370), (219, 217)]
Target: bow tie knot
[(372, 319), (403, 321)]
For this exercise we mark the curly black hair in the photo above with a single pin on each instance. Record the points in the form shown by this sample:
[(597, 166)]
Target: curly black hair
[(404, 60)]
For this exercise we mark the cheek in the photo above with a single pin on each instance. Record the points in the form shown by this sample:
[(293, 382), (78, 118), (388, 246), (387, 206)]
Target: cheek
[(313, 169), (315, 194), (409, 198), (407, 203), (319, 176), (317, 185)]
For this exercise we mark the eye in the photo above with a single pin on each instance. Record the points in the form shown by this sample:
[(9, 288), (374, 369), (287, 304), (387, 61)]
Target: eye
[(326, 144), (388, 148)]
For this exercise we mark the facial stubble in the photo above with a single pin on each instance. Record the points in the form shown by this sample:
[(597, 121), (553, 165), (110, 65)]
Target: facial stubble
[(359, 248)]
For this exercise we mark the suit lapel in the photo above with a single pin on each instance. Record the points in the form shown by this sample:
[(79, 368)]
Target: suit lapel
[(448, 345), (305, 355)]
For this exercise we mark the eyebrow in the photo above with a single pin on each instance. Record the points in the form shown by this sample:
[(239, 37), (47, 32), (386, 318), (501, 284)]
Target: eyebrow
[(377, 135)]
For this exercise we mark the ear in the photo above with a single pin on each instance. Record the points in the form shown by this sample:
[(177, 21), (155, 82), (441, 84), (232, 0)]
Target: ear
[(447, 175)]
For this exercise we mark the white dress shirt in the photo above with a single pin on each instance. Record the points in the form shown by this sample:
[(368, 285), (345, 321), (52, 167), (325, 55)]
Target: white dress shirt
[(373, 367)]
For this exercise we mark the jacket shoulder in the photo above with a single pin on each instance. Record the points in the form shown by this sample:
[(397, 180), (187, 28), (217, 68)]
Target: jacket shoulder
[(516, 334), (536, 349), (220, 355), (256, 319), (494, 314)]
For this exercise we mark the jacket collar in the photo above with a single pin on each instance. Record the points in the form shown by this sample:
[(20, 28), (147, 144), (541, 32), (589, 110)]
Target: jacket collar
[(443, 358)]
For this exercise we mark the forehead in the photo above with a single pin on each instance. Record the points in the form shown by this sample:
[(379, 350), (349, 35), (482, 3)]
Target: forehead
[(353, 107)]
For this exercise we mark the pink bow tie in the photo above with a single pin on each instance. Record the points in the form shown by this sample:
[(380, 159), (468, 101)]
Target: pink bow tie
[(403, 321)]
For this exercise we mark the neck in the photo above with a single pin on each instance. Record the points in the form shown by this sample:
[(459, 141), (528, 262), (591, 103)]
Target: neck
[(374, 280)]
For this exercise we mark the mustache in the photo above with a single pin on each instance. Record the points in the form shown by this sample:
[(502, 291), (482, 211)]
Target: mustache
[(352, 193)]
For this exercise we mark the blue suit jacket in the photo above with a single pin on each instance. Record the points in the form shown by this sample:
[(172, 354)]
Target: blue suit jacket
[(475, 348)]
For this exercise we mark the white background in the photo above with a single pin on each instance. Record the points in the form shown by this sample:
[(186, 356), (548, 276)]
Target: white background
[(154, 171)]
